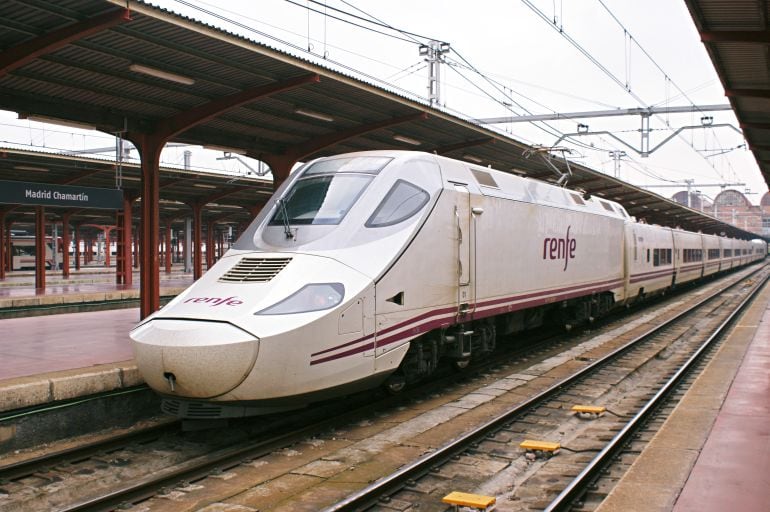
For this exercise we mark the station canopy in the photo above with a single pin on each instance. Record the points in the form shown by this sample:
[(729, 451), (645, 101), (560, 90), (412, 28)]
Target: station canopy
[(737, 37), (130, 67)]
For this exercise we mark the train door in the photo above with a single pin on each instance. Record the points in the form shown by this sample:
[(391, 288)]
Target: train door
[(465, 289), (631, 260), (676, 260)]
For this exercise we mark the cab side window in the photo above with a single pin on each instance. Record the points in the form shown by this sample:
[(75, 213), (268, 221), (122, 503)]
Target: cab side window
[(401, 202)]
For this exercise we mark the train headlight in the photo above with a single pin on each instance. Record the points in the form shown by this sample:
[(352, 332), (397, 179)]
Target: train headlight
[(311, 297)]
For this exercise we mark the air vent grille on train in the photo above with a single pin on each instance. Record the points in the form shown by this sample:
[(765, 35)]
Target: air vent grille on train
[(192, 410), (255, 270)]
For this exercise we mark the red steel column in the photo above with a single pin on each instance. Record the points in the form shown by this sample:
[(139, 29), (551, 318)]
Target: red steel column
[(137, 252), (169, 250), (8, 262), (65, 243), (107, 243), (135, 245), (125, 249), (280, 167), (76, 251), (197, 241), (120, 262), (129, 238), (210, 247), (40, 247), (3, 247), (149, 289)]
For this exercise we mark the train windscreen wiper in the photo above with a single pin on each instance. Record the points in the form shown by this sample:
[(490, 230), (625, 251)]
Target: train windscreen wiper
[(285, 212)]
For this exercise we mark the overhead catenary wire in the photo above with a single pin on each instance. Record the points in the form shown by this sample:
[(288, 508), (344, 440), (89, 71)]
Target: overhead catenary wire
[(501, 94), (546, 128), (611, 75), (356, 71), (372, 19), (655, 63), (498, 87), (410, 41)]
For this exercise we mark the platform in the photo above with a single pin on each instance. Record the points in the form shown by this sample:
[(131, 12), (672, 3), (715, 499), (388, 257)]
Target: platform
[(90, 284), (68, 355), (713, 453), (45, 359)]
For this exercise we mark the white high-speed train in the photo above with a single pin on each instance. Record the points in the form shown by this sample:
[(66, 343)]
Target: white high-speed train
[(374, 267)]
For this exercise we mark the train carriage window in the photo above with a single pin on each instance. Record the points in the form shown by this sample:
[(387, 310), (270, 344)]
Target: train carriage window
[(402, 201), (648, 255), (607, 206), (661, 257), (320, 199), (365, 164)]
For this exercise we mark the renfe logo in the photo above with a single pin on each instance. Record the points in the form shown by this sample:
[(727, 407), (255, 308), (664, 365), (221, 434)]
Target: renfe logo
[(560, 248), (215, 301)]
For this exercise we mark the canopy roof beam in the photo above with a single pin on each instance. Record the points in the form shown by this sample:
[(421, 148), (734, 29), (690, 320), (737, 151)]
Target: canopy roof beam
[(24, 53)]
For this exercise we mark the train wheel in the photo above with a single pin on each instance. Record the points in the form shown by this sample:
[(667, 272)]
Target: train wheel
[(461, 364), (395, 384)]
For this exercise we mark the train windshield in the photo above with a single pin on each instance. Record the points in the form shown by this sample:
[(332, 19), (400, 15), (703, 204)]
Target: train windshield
[(327, 190)]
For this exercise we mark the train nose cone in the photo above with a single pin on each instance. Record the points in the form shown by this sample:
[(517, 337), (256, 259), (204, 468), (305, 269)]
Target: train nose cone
[(191, 358)]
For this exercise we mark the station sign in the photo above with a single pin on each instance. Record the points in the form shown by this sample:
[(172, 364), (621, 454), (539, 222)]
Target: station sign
[(43, 194)]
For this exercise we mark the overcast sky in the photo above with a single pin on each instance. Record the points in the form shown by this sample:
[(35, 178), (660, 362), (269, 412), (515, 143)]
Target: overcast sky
[(527, 66)]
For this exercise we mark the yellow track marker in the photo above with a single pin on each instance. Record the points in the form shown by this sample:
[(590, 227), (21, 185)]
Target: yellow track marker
[(464, 499), (592, 409), (543, 446)]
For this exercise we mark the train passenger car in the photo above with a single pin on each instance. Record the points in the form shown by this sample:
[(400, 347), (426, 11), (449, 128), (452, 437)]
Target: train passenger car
[(728, 253), (746, 250), (759, 249), (688, 256), (650, 262), (712, 253), (23, 251)]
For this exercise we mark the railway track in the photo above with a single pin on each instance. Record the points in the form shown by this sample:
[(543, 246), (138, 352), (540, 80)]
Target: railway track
[(529, 482), (190, 472)]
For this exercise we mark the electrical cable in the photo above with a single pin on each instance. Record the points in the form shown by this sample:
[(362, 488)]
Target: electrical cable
[(353, 70), (348, 21), (608, 73), (665, 75), (375, 22), (497, 88)]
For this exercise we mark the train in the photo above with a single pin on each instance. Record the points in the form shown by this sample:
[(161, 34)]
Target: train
[(23, 252), (375, 268)]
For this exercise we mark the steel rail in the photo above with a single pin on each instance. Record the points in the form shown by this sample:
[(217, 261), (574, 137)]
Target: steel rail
[(28, 467), (580, 483), (191, 470), (221, 460), (146, 487), (371, 494)]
